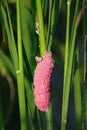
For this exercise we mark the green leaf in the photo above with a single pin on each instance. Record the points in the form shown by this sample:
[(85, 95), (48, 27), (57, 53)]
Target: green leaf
[(77, 93), (10, 37), (66, 87), (29, 48), (5, 62), (85, 62), (28, 33)]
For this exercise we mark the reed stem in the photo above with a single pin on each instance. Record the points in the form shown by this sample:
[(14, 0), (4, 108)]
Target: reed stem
[(41, 28), (67, 39), (20, 74), (49, 118), (77, 94), (42, 51)]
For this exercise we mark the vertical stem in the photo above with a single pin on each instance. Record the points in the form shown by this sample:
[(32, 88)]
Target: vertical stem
[(84, 112), (60, 4), (74, 19), (11, 42), (20, 74), (85, 40), (15, 57), (44, 6), (68, 72), (67, 39), (54, 10), (49, 21), (40, 120), (41, 28), (86, 79), (77, 95), (51, 28), (32, 127), (67, 86), (49, 118), (63, 123), (42, 50), (85, 86)]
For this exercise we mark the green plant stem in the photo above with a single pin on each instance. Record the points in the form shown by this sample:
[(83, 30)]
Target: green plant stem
[(40, 120), (32, 127), (85, 73), (42, 51), (67, 39), (77, 95), (44, 6), (28, 35), (12, 36), (68, 78), (11, 44), (67, 82), (52, 23), (5, 62), (20, 74), (49, 118), (85, 40), (84, 112), (30, 103), (41, 28), (49, 20), (54, 9), (67, 86), (74, 20), (77, 99), (63, 123), (60, 4)]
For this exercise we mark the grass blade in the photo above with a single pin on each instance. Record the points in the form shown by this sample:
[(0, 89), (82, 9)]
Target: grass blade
[(20, 74), (12, 35), (29, 44), (28, 32), (6, 63), (77, 96), (11, 44), (68, 74), (41, 28), (42, 51), (85, 65), (54, 10), (67, 39), (49, 118)]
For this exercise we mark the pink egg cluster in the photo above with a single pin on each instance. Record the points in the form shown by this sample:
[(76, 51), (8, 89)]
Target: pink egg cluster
[(42, 77)]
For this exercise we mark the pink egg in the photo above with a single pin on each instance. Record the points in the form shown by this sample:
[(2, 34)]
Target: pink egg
[(42, 77)]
